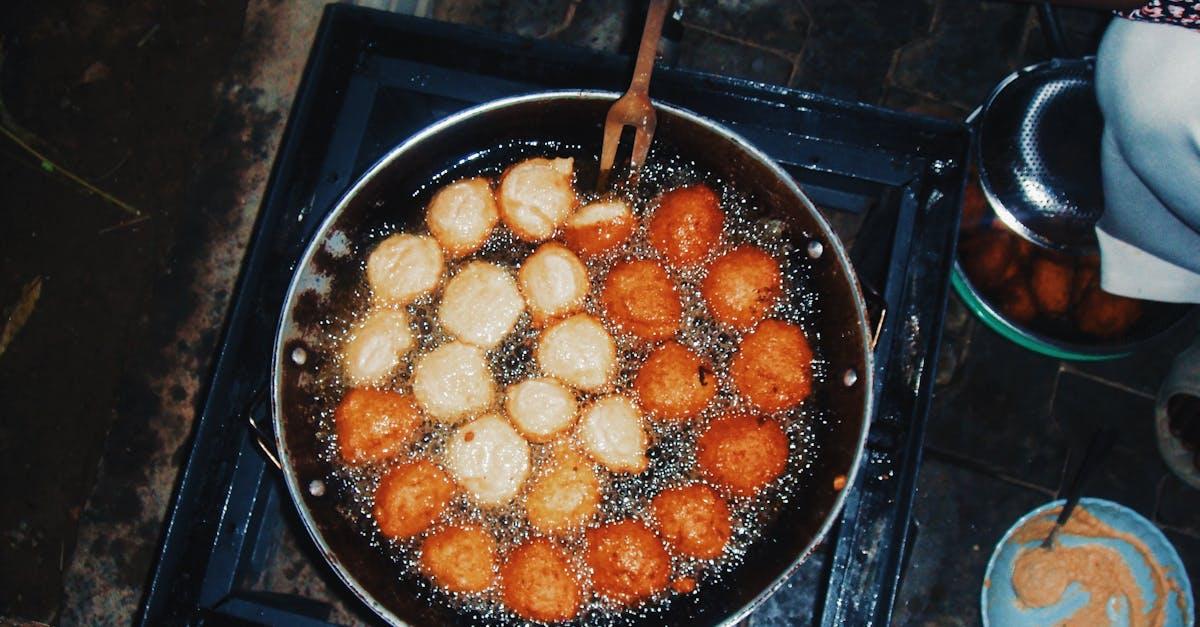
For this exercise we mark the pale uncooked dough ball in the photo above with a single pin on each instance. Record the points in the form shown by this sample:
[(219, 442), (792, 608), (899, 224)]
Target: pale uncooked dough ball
[(579, 351), (536, 196), (540, 408), (454, 381), (481, 304), (554, 282), (488, 458), (403, 267), (376, 346), (462, 215), (611, 432)]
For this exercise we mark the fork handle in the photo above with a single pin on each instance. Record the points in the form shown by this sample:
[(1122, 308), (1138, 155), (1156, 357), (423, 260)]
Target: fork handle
[(648, 50)]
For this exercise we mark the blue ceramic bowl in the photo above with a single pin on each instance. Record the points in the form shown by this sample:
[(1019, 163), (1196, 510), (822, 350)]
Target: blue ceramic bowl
[(999, 602)]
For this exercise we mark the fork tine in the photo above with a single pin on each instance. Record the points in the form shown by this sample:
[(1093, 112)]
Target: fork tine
[(642, 136), (608, 152)]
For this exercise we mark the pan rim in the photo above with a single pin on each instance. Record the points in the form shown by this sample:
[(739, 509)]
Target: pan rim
[(833, 242)]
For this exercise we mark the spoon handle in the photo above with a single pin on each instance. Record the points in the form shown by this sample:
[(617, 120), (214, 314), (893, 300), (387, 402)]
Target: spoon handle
[(1098, 448)]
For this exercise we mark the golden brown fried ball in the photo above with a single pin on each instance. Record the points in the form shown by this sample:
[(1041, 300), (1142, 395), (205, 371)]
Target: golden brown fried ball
[(1087, 274), (742, 286), (566, 497), (693, 520), (1016, 300), (628, 561), (373, 425), (536, 196), (1106, 315), (537, 583), (599, 227), (675, 383), (640, 298), (1051, 279), (461, 216), (990, 258), (687, 225), (410, 497), (742, 453), (460, 559), (773, 366)]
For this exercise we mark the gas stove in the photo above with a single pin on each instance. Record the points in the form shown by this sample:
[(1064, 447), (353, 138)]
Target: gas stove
[(890, 183)]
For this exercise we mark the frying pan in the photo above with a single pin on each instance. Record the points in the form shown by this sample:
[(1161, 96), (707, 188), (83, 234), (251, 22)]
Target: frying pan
[(392, 194)]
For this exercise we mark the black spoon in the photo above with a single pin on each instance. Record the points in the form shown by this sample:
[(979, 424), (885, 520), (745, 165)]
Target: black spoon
[(1097, 450)]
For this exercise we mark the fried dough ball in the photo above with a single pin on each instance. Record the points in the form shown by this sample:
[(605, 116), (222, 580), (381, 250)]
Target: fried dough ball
[(536, 196), (460, 559), (554, 282), (540, 408), (599, 227), (376, 346), (611, 432), (1051, 280), (453, 381), (373, 425), (628, 561), (640, 298), (481, 304), (675, 383), (566, 497), (578, 351), (537, 583), (773, 366), (693, 520), (1016, 300), (687, 225), (488, 458), (403, 267), (410, 497), (742, 286), (461, 216), (1106, 315), (990, 258), (1086, 275), (742, 453)]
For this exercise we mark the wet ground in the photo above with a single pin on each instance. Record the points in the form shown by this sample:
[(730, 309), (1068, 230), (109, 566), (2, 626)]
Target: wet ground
[(175, 109)]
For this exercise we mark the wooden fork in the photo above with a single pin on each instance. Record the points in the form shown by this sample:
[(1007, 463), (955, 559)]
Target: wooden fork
[(634, 108)]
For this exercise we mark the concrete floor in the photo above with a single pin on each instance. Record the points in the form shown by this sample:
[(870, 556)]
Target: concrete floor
[(176, 108)]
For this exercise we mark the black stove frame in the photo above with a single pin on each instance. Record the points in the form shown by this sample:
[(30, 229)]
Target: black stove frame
[(374, 78)]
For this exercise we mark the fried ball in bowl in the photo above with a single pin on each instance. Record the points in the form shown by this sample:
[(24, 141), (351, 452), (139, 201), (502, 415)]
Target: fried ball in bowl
[(554, 282), (742, 453), (540, 408), (1016, 300), (1106, 315), (453, 381), (410, 498), (599, 227), (1051, 279), (693, 520), (628, 562), (460, 559), (611, 431), (537, 582), (461, 216), (566, 496), (578, 351), (773, 366), (481, 304), (488, 458), (375, 347), (675, 383), (404, 267), (375, 425), (640, 298), (536, 196), (687, 225), (742, 286)]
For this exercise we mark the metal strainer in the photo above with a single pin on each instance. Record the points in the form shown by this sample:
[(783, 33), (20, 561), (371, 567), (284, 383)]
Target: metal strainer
[(1039, 153)]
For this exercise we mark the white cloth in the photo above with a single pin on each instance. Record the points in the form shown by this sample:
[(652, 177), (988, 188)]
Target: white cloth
[(1148, 85)]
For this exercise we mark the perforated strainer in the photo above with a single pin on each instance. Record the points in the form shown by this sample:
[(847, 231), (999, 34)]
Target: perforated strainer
[(1039, 153)]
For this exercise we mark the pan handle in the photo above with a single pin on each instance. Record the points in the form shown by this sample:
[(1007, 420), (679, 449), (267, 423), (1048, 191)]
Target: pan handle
[(262, 436)]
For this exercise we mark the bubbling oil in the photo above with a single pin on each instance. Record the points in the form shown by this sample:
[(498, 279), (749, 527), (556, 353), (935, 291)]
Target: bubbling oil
[(672, 444)]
